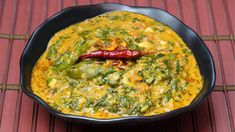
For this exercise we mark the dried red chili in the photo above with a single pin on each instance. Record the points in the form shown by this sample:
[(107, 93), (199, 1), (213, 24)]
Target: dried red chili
[(114, 54)]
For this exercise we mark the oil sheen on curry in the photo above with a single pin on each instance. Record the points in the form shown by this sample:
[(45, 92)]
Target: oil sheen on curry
[(114, 65)]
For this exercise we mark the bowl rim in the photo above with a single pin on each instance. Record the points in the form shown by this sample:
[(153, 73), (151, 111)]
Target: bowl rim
[(93, 120)]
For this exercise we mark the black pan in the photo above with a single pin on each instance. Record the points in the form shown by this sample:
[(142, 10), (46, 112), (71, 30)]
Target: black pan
[(40, 37)]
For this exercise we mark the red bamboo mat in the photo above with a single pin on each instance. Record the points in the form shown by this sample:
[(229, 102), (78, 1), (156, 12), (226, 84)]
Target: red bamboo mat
[(214, 20)]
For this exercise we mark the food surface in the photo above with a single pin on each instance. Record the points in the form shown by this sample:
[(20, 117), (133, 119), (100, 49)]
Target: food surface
[(114, 65)]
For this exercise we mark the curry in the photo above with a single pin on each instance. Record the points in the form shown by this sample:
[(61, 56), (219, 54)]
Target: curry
[(163, 78)]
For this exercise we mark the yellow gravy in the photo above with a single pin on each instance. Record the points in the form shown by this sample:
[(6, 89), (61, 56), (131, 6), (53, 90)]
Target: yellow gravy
[(155, 83)]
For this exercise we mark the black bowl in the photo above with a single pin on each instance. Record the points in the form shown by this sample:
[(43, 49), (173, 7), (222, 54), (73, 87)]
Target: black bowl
[(40, 37)]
